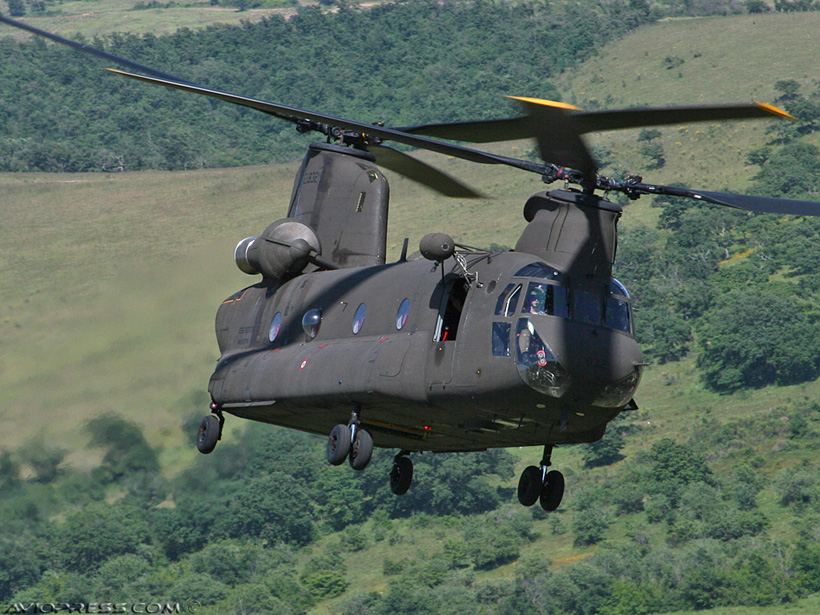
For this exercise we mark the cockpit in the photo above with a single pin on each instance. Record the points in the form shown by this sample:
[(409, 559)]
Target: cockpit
[(543, 291), (519, 328)]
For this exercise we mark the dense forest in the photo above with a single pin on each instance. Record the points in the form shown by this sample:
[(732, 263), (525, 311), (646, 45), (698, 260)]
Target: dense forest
[(250, 528), (404, 64), (263, 526)]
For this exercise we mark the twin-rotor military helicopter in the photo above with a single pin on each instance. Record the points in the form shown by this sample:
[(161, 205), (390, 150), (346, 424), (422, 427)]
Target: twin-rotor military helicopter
[(463, 349)]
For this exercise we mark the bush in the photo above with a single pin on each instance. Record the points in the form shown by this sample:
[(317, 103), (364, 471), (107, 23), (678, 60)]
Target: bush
[(325, 577)]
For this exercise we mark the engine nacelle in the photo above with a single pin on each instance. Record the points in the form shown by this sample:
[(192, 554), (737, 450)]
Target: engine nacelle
[(284, 248)]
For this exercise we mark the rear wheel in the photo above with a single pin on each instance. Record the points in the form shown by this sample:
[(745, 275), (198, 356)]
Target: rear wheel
[(209, 433), (401, 476), (338, 445), (361, 450)]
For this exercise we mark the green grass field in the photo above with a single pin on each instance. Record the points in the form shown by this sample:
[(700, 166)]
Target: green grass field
[(91, 18)]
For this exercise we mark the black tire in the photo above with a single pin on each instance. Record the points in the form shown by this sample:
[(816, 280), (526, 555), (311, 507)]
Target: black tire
[(209, 434), (529, 485), (553, 491), (361, 449), (401, 476), (338, 445)]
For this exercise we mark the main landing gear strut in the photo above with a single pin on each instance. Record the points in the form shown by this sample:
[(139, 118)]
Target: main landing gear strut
[(350, 442), (536, 483)]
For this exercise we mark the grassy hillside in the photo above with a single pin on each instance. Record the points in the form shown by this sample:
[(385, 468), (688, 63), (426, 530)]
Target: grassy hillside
[(698, 61), (91, 18), (110, 284)]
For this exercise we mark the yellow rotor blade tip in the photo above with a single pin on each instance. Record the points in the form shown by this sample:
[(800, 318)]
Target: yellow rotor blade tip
[(774, 110), (546, 103)]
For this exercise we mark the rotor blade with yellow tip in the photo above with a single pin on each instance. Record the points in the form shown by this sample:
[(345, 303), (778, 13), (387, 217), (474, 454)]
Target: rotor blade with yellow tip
[(509, 129)]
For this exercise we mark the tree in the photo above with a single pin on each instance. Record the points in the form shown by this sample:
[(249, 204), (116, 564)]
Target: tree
[(17, 8), (752, 338), (98, 532), (791, 172), (605, 451)]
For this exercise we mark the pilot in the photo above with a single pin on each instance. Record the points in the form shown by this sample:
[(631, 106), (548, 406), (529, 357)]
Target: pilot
[(536, 295)]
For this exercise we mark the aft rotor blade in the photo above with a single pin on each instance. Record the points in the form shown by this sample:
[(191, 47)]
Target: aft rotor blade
[(514, 128), (90, 50), (372, 130), (421, 172), (760, 204)]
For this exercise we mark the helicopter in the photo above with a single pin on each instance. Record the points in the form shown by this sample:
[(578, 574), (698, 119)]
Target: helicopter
[(461, 349)]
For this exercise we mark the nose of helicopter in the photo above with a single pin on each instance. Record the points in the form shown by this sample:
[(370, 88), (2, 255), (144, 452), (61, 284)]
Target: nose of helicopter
[(582, 363)]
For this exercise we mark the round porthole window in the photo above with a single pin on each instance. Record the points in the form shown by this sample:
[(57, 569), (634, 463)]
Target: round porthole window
[(401, 315), (275, 326), (358, 319), (311, 322)]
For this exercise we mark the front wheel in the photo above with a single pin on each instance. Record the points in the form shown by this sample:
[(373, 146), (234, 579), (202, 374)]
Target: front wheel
[(553, 491), (529, 485)]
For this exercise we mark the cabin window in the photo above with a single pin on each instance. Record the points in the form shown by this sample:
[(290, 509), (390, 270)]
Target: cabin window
[(275, 326), (542, 271), (501, 339), (401, 315), (543, 298), (586, 307), (311, 322), (508, 300), (358, 318)]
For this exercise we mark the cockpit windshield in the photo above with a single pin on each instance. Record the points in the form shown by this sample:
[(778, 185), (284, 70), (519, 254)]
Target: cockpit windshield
[(549, 299), (549, 294)]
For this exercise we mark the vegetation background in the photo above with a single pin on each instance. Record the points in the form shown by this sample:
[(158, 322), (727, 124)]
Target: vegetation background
[(706, 498)]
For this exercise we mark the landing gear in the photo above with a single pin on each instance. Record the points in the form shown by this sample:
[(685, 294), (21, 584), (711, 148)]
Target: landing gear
[(350, 442), (210, 432), (401, 476), (361, 449), (536, 483), (338, 445)]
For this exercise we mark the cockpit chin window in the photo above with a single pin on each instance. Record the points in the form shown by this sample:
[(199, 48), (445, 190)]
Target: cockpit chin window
[(536, 363)]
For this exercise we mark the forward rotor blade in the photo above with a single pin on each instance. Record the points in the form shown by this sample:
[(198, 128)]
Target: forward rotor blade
[(760, 204), (617, 119), (491, 131), (421, 172), (559, 139)]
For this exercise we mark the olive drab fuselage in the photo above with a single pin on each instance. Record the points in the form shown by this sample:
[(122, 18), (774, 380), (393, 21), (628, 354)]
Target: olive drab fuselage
[(530, 346)]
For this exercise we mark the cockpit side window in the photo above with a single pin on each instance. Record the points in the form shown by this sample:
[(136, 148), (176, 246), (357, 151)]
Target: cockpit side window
[(508, 300), (618, 309)]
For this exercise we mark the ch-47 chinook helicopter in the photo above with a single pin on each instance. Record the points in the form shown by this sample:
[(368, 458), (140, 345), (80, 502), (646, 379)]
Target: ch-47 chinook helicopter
[(463, 349)]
